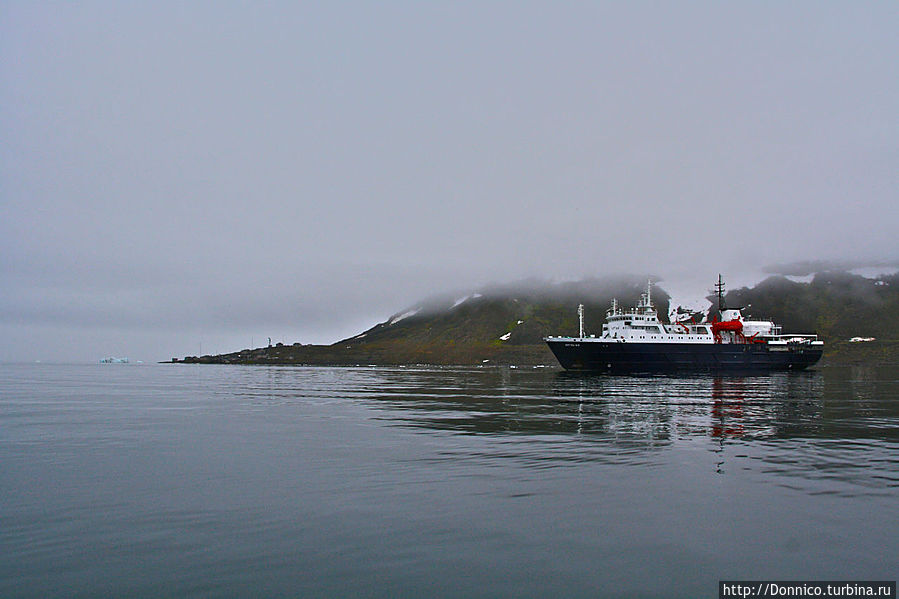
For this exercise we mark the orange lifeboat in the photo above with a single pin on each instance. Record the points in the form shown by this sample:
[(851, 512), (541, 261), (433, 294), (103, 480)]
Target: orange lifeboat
[(728, 325)]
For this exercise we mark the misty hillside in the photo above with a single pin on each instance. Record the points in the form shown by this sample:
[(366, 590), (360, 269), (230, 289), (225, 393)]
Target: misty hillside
[(507, 324), (833, 304), (498, 323), (524, 313)]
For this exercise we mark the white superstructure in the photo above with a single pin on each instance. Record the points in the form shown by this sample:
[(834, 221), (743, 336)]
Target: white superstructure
[(641, 324)]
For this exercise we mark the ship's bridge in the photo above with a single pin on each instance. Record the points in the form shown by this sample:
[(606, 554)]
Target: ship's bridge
[(642, 324)]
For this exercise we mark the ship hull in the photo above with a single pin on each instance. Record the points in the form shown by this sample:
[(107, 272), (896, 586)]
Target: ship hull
[(602, 356)]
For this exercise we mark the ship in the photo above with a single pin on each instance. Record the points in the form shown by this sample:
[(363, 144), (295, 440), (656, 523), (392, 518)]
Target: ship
[(635, 340)]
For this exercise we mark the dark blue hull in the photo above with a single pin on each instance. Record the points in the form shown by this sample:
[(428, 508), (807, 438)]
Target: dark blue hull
[(601, 356)]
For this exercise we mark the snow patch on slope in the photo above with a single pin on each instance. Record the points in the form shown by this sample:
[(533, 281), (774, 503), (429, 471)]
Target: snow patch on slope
[(874, 272), (396, 319), (459, 301), (685, 301), (869, 272), (462, 300)]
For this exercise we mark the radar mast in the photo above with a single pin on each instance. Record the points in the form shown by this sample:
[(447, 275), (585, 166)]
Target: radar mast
[(719, 291)]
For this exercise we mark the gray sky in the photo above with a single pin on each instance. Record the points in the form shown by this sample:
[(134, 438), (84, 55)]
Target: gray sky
[(178, 177)]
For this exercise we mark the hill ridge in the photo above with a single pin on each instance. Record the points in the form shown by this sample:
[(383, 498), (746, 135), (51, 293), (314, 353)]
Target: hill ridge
[(506, 323)]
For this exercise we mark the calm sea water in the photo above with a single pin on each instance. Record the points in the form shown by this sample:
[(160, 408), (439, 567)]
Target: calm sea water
[(174, 480)]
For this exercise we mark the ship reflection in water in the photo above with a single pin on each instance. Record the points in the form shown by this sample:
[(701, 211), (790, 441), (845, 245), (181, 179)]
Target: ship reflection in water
[(331, 482), (632, 410), (783, 426)]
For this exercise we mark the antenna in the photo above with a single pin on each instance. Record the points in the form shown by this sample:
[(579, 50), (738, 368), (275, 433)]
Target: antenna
[(580, 317)]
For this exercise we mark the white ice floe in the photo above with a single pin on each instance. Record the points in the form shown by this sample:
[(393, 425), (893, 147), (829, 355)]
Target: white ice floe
[(404, 315), (505, 337)]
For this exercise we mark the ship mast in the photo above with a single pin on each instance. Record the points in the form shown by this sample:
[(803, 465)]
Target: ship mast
[(645, 306), (580, 317), (719, 291)]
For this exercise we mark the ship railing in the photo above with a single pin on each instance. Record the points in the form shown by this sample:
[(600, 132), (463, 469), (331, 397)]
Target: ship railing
[(798, 338), (638, 311)]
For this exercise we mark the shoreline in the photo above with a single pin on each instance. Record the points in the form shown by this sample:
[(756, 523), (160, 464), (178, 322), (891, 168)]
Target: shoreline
[(843, 353)]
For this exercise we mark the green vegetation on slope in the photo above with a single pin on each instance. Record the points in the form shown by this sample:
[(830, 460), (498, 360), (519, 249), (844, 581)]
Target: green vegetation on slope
[(506, 325), (835, 305), (470, 332)]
